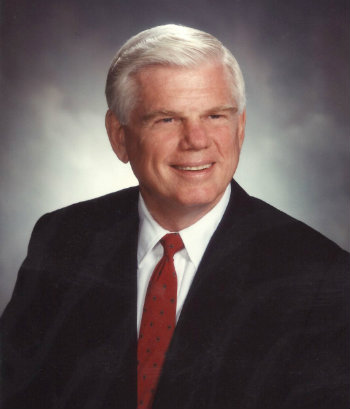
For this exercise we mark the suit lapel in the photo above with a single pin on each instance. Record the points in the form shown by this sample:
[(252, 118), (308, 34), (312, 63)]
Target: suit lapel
[(194, 356)]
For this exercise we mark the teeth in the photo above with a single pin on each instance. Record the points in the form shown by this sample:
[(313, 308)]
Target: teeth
[(194, 167)]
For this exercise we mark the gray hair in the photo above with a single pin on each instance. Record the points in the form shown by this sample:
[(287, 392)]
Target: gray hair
[(168, 45)]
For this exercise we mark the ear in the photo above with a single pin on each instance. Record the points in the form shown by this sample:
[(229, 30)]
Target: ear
[(241, 128), (116, 135)]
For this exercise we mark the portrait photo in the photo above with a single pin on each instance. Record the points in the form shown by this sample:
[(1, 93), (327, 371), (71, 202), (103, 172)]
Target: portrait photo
[(175, 221)]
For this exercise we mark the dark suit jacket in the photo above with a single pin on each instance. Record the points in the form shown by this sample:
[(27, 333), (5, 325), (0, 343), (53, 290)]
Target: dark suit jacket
[(265, 323)]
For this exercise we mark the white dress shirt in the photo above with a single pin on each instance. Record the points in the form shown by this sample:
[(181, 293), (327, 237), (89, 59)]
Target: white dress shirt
[(149, 251)]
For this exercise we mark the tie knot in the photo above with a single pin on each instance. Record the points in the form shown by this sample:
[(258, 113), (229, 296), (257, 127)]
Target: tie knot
[(171, 243)]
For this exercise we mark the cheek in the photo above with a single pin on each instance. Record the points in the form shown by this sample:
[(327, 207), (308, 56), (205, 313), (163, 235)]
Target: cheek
[(160, 148), (227, 143), (139, 149), (150, 158), (229, 151), (131, 144)]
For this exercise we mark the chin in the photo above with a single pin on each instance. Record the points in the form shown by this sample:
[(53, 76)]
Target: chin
[(198, 200)]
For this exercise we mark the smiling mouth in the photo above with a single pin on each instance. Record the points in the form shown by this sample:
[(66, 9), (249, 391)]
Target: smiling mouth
[(193, 168)]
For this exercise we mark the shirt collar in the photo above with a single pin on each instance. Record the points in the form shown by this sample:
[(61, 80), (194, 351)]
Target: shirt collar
[(195, 237), (150, 232)]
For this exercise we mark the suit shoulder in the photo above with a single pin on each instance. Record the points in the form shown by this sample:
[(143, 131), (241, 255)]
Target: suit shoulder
[(291, 233), (116, 202), (270, 230), (89, 215), (119, 200)]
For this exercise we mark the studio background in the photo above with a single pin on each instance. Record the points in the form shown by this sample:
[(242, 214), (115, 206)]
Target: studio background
[(54, 148)]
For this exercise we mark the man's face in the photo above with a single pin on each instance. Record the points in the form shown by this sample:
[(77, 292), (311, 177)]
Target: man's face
[(183, 138)]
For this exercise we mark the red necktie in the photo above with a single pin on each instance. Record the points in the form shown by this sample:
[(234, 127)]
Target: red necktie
[(158, 321)]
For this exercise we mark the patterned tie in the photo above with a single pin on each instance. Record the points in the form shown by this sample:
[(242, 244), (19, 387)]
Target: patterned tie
[(158, 321)]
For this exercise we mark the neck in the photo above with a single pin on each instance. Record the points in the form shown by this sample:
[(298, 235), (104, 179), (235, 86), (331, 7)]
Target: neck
[(175, 218), (176, 222)]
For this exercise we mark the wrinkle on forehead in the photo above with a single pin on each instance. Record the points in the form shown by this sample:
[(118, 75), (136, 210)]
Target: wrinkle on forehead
[(174, 89)]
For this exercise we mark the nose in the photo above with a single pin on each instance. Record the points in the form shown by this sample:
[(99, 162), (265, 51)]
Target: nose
[(195, 136)]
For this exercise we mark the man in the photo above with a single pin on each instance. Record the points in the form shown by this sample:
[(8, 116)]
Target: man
[(184, 292)]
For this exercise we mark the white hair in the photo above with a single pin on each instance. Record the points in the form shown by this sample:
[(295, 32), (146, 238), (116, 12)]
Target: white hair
[(168, 45)]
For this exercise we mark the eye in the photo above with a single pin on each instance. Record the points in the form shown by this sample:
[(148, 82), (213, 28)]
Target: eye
[(215, 116), (166, 120)]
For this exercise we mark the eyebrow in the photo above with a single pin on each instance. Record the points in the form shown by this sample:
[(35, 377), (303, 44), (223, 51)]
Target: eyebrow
[(221, 108), (163, 112)]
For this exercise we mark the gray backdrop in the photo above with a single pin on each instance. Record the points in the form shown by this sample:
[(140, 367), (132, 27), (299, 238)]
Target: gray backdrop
[(54, 150)]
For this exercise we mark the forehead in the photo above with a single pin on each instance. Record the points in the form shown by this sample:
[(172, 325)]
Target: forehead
[(164, 85)]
